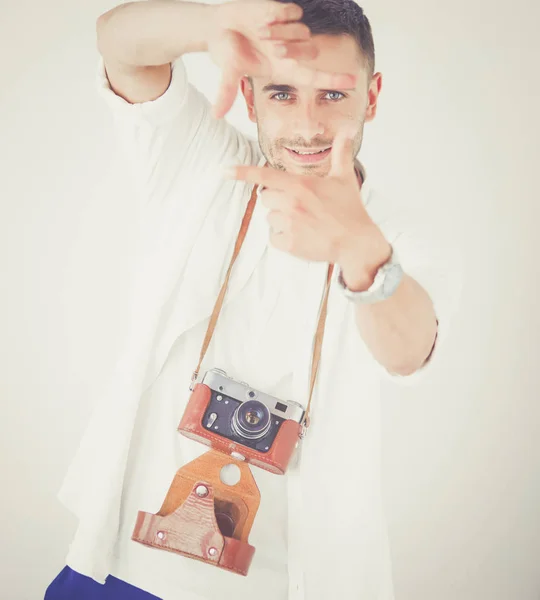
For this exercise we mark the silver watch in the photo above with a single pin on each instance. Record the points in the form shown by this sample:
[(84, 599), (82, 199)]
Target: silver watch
[(387, 281)]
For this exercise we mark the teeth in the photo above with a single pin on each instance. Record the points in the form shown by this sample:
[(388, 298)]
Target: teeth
[(310, 153)]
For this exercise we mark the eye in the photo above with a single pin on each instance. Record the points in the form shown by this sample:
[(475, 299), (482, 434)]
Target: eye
[(339, 94), (276, 96), (284, 96)]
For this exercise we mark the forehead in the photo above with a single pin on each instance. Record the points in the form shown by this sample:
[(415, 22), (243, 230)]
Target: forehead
[(337, 53)]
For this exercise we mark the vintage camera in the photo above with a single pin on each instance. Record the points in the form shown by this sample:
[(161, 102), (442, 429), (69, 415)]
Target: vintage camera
[(247, 424)]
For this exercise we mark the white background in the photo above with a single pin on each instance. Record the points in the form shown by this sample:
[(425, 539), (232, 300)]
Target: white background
[(456, 134)]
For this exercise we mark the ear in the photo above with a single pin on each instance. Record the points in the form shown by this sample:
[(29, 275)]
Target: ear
[(249, 95), (373, 96)]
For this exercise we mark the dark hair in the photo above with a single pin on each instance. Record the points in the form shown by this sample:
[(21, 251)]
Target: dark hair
[(340, 17)]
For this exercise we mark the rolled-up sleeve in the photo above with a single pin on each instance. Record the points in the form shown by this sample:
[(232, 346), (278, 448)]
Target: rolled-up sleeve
[(171, 139), (179, 97)]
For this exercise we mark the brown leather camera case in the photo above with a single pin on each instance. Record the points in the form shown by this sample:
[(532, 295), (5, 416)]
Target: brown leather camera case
[(276, 460), (187, 523)]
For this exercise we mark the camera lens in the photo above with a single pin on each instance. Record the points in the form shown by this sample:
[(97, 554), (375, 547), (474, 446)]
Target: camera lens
[(251, 420)]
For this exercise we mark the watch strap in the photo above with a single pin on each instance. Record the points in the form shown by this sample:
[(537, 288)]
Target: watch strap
[(386, 282)]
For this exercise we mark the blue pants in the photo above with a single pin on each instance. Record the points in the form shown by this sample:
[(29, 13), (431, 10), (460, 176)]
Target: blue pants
[(70, 585)]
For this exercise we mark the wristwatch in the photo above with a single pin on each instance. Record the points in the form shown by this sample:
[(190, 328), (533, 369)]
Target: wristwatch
[(387, 281)]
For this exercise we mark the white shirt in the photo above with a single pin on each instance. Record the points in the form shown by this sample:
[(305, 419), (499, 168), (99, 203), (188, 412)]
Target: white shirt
[(320, 531)]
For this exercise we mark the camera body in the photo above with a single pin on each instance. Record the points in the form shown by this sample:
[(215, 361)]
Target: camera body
[(247, 424)]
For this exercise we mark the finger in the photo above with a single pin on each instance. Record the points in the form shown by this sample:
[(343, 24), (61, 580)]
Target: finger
[(279, 223), (297, 50), (342, 157), (267, 177), (285, 32), (304, 75), (226, 94), (273, 199), (278, 200), (275, 12), (281, 240)]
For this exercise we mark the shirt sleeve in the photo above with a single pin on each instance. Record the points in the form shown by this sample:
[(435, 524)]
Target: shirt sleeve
[(435, 264), (172, 137)]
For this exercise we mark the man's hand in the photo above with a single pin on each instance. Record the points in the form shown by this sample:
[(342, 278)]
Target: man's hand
[(322, 218), (262, 38)]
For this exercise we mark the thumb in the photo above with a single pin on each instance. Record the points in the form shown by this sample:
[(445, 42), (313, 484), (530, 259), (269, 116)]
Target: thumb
[(225, 51), (227, 93), (342, 151)]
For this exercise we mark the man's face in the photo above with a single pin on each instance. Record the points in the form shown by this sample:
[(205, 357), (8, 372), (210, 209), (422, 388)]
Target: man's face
[(293, 121)]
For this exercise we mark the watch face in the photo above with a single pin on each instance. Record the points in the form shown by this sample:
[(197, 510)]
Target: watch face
[(386, 282)]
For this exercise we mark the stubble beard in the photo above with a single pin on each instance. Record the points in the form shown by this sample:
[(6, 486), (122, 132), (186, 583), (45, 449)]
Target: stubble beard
[(272, 151)]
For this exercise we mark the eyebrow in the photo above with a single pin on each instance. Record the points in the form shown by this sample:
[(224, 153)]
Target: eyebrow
[(289, 89)]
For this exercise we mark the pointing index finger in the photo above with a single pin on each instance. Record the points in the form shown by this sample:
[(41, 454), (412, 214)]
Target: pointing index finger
[(302, 74), (266, 177)]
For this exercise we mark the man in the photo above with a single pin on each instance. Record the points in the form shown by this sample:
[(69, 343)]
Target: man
[(320, 532)]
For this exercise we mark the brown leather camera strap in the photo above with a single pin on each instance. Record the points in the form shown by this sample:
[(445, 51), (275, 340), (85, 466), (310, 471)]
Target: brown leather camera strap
[(319, 335)]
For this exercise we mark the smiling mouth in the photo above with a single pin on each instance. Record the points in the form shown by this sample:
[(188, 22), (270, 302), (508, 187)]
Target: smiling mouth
[(308, 152), (309, 156)]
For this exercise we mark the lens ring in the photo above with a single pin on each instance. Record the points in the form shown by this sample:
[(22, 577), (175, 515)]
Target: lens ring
[(251, 420)]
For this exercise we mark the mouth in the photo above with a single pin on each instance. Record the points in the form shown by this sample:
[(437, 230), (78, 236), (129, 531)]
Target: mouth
[(309, 156)]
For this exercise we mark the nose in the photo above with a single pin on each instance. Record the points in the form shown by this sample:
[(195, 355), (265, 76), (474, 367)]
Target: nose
[(307, 122)]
